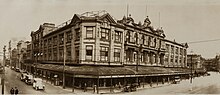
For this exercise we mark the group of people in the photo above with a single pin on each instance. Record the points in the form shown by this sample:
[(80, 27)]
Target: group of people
[(14, 91)]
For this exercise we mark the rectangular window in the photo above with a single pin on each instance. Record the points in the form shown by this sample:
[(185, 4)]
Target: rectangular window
[(150, 42), (69, 36), (177, 50), (181, 51), (104, 34), (54, 54), (89, 32), (61, 38), (176, 59), (61, 54), (172, 49), (77, 34), (104, 53), (167, 47), (89, 49), (117, 36), (146, 39), (50, 54), (117, 55), (166, 58), (49, 42), (77, 54), (55, 40), (45, 43), (171, 59), (68, 55)]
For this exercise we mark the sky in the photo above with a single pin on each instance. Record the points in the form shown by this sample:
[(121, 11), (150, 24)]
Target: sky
[(182, 20)]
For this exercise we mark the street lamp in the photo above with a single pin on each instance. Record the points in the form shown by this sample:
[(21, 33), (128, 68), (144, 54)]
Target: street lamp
[(191, 69), (3, 78)]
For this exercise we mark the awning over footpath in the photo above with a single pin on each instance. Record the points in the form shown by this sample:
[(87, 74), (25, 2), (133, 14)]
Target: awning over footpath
[(109, 71)]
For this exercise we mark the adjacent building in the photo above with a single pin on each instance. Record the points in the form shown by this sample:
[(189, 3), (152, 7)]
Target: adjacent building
[(176, 54)]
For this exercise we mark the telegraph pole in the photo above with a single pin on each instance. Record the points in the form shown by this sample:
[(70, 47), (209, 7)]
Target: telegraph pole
[(191, 65), (9, 50), (3, 78)]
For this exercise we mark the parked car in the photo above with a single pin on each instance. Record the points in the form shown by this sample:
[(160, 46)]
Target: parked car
[(176, 79), (132, 87), (38, 84), (29, 79), (17, 70), (23, 76)]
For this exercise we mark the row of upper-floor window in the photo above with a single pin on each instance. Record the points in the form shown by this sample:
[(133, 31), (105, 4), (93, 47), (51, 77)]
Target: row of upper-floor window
[(104, 53), (144, 39), (131, 37), (105, 34), (177, 59), (178, 50), (37, 36)]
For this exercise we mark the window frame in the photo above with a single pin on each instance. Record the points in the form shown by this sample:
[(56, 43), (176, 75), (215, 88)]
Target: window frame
[(89, 33), (89, 52)]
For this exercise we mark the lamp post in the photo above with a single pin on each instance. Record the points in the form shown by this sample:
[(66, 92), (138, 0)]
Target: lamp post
[(191, 69), (3, 78)]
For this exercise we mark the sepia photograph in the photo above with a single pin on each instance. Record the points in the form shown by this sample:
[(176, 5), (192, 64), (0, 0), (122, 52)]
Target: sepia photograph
[(112, 47)]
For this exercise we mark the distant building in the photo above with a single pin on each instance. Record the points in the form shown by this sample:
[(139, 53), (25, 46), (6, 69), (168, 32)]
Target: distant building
[(14, 57), (212, 64), (195, 61), (21, 54)]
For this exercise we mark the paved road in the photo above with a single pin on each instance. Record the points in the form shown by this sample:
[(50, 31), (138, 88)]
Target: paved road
[(201, 85), (12, 80)]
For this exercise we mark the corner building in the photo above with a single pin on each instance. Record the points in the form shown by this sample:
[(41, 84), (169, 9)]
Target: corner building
[(99, 50)]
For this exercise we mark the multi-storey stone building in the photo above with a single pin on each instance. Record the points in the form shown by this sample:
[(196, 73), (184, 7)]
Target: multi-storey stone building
[(176, 54), (96, 49)]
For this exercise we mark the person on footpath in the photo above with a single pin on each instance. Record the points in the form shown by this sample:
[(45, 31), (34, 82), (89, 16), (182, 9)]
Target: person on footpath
[(16, 91), (12, 91)]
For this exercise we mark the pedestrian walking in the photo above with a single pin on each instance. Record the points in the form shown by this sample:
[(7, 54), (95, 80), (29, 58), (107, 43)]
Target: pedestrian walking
[(16, 91), (85, 87), (12, 91)]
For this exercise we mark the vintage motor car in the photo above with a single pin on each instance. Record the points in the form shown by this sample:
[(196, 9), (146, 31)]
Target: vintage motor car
[(176, 80), (38, 84), (29, 79)]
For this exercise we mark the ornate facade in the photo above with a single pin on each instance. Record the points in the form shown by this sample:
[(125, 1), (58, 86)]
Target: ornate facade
[(100, 40)]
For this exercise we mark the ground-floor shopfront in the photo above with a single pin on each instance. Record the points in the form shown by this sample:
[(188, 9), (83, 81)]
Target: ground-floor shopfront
[(98, 78)]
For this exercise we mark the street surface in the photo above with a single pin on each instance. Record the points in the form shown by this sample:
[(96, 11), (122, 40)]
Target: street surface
[(13, 80), (201, 85)]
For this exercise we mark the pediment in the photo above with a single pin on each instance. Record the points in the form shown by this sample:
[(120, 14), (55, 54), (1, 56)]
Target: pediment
[(107, 18), (75, 18)]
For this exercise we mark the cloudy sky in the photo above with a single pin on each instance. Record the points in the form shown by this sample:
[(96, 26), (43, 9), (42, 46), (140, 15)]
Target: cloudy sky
[(182, 20)]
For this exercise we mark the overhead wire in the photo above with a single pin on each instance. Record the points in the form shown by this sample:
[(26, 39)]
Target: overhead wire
[(203, 41)]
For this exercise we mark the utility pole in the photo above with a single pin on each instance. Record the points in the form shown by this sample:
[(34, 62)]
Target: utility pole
[(64, 59), (3, 78), (9, 50), (191, 65)]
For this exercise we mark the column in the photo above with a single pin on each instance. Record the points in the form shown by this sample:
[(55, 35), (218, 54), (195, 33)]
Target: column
[(156, 59)]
